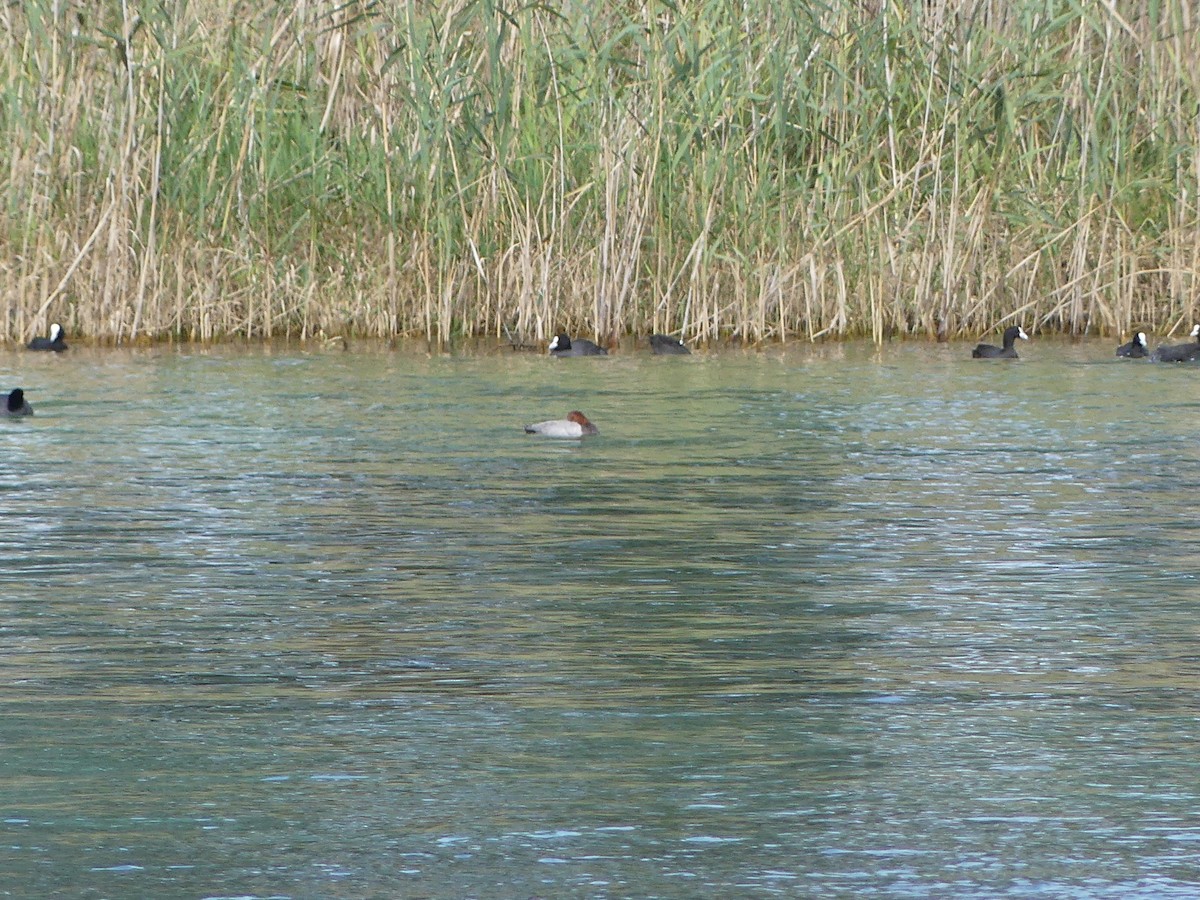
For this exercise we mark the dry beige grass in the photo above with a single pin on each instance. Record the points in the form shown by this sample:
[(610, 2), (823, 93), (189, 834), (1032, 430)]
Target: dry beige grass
[(750, 171)]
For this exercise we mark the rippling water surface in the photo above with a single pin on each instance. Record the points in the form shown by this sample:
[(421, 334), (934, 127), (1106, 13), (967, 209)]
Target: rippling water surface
[(817, 622)]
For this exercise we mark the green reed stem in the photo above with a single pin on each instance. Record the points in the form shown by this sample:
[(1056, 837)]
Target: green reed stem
[(756, 171)]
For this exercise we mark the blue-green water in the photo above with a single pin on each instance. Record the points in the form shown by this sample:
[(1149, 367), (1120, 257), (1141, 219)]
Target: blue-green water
[(810, 623)]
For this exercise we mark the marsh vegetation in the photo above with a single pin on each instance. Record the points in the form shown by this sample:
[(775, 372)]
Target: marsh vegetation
[(751, 170)]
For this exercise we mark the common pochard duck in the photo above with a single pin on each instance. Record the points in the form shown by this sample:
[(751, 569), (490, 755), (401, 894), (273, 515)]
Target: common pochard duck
[(575, 425)]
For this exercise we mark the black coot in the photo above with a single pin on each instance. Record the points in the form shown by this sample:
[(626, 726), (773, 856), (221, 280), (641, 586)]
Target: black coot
[(990, 351), (1180, 352), (16, 405), (665, 345), (564, 346), (1135, 349), (55, 342)]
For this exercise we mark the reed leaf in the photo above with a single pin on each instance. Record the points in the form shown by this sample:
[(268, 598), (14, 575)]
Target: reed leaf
[(191, 171)]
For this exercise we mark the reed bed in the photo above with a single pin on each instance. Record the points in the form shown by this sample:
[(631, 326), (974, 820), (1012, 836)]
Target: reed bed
[(724, 171)]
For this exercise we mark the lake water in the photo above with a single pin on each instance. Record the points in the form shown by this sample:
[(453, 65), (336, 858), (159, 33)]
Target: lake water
[(811, 622)]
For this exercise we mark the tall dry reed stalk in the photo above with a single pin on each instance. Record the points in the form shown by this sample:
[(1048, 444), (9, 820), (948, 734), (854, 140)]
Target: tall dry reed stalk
[(752, 171)]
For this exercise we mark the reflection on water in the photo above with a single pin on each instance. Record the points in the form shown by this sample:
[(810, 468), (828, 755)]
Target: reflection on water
[(809, 623)]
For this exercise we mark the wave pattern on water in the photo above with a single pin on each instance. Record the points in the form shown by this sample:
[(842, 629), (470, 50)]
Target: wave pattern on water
[(333, 625)]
